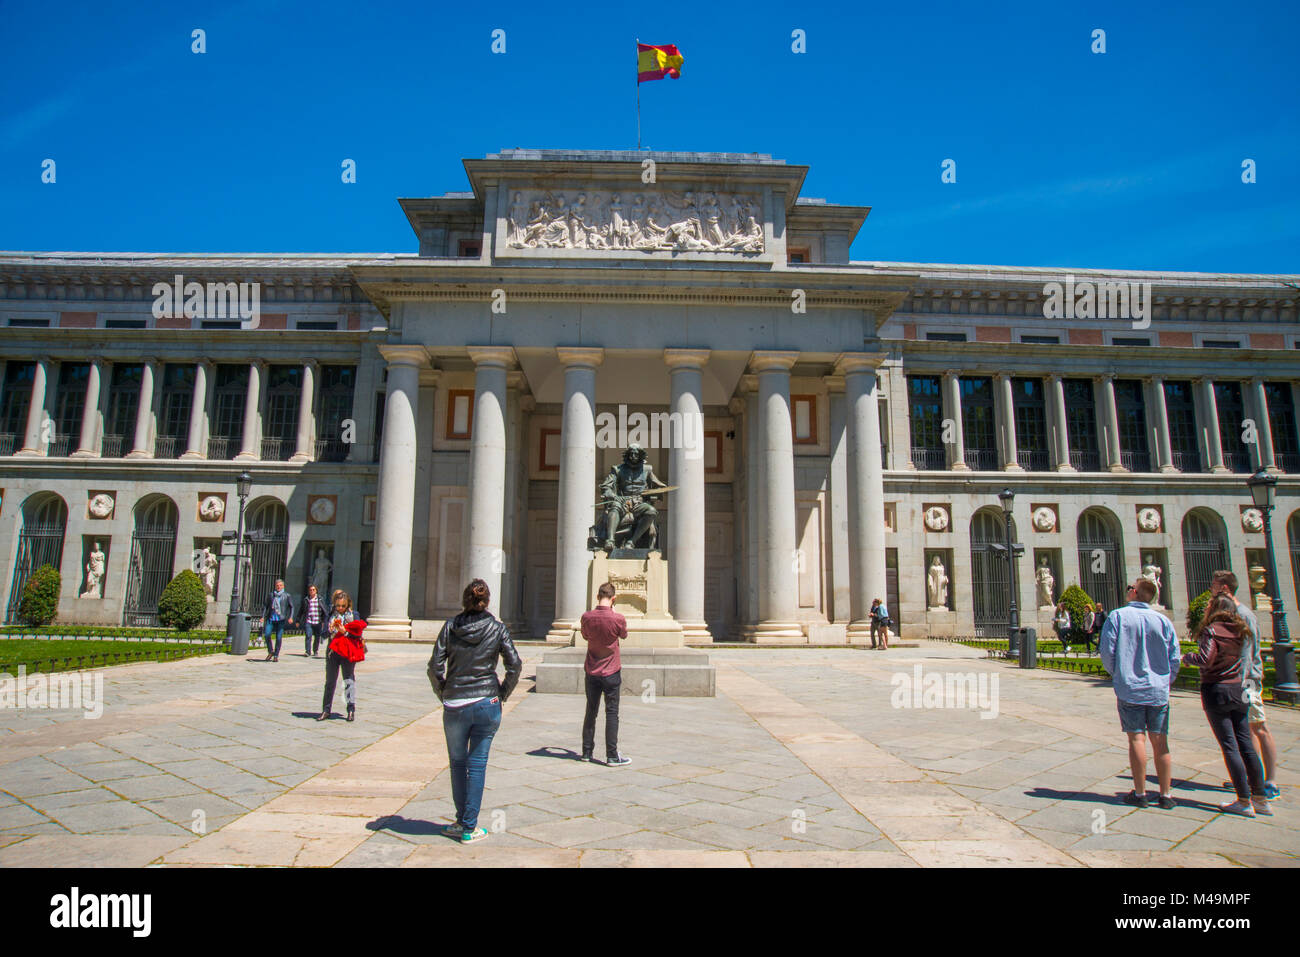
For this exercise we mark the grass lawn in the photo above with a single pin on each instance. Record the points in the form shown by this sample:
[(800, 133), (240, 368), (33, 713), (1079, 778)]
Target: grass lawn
[(69, 655)]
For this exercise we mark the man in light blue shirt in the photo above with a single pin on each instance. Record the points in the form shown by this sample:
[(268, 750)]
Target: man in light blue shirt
[(1225, 583), (1139, 649)]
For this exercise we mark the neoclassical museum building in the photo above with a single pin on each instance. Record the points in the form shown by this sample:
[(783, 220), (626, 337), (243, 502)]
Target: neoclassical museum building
[(415, 419)]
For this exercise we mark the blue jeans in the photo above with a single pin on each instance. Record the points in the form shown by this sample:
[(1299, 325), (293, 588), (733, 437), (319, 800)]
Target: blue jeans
[(469, 732), (276, 626)]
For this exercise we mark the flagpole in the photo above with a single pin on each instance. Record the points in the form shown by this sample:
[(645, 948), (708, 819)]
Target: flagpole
[(638, 95)]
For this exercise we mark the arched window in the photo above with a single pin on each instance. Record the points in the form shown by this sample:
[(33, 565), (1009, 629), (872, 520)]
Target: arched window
[(45, 517), (1293, 539), (1101, 557), (990, 575), (153, 554), (1205, 549), (266, 547)]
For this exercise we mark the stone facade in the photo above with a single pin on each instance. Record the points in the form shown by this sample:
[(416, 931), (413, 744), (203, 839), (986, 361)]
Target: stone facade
[(424, 419)]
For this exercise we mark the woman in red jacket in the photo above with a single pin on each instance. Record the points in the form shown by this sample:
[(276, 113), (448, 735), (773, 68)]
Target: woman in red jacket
[(1222, 637), (347, 647)]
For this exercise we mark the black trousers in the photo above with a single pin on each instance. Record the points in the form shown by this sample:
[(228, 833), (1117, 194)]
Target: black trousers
[(313, 636), (1226, 713), (334, 663), (609, 686)]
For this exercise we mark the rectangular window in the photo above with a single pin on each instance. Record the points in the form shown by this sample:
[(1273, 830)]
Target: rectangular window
[(1232, 417), (69, 402), (174, 410), (460, 413), (230, 392), (1130, 340), (946, 336), (1041, 340), (1130, 408), (548, 450), (1180, 406), (1081, 423), (1281, 421), (317, 325), (29, 323), (280, 425), (125, 324), (978, 423), (17, 396), (1221, 343), (804, 413), (925, 412), (797, 255), (333, 410), (1030, 409), (220, 324), (123, 400), (470, 248)]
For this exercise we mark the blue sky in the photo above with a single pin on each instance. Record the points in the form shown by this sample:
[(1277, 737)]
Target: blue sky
[(1127, 159)]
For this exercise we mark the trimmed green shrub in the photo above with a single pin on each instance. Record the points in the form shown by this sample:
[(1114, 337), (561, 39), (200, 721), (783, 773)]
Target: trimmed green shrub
[(1195, 612), (183, 602), (40, 602), (1078, 603)]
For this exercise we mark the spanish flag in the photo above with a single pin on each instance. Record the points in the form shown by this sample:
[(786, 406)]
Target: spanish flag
[(656, 62)]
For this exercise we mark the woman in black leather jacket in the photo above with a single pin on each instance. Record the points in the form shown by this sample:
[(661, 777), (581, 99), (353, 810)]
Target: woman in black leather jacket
[(463, 673)]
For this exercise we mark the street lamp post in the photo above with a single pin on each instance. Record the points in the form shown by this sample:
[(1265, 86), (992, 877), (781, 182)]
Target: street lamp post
[(236, 623), (1007, 498), (1263, 488)]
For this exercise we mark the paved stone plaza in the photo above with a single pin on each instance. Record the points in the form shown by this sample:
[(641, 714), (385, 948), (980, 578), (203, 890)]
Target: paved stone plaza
[(800, 760)]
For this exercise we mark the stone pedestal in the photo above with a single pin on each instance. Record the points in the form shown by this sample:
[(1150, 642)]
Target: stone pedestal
[(642, 598), (663, 672)]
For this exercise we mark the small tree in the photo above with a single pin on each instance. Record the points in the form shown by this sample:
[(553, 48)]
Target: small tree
[(183, 603), (39, 604), (1078, 603), (1195, 612)]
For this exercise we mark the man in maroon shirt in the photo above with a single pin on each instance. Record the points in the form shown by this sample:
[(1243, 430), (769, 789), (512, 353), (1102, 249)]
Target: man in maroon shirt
[(603, 627)]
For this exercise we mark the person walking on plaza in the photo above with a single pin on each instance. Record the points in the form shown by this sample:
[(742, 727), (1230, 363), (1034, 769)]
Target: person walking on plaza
[(463, 673), (879, 623), (603, 627), (1223, 658), (1225, 583), (1096, 622), (278, 611), (347, 647), (314, 616), (1139, 649)]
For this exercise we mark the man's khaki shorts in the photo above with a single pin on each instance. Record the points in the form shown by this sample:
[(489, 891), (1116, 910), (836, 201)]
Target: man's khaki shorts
[(1255, 705)]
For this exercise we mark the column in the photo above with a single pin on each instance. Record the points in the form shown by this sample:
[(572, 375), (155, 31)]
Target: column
[(577, 488), (1264, 457), (952, 413), (1008, 410), (142, 446), (1110, 422), (251, 445), (840, 608), (866, 491), (1164, 451), (305, 446), (753, 496), (686, 512), (485, 555), (196, 441), (88, 442), (1061, 424), (390, 612), (1210, 414), (35, 441), (778, 557)]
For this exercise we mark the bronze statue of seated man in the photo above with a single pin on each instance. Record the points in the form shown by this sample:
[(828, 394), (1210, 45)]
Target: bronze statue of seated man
[(622, 494)]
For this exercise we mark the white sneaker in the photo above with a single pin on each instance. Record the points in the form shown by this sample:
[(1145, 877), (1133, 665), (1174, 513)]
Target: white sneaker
[(1238, 807), (1261, 806)]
